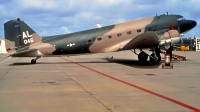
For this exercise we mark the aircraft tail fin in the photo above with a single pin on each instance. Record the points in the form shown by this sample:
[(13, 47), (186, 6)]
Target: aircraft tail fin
[(18, 35)]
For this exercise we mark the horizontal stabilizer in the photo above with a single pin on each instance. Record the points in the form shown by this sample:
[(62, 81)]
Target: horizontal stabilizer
[(27, 53)]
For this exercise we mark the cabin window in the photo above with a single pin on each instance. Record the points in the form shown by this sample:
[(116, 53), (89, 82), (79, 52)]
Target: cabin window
[(109, 37), (99, 38), (119, 35), (139, 30), (180, 19), (129, 32)]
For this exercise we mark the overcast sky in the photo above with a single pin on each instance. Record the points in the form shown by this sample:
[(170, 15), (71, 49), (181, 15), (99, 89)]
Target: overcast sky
[(52, 17)]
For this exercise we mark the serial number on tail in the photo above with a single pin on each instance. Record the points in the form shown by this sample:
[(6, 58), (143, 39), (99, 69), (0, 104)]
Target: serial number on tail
[(27, 38), (27, 41)]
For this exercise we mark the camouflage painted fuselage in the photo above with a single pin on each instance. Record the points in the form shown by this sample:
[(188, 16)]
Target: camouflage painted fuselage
[(143, 33)]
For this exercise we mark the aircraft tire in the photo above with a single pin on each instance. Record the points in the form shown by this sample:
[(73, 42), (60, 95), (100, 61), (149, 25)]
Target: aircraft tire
[(142, 57), (33, 61)]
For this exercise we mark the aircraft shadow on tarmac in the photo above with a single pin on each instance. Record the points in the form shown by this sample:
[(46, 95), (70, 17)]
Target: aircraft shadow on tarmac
[(134, 63), (126, 62)]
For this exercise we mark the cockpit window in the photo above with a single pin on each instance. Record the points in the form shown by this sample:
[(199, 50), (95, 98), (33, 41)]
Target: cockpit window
[(180, 19)]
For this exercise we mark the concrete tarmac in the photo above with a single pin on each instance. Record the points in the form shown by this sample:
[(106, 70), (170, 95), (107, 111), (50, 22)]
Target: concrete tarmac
[(91, 83)]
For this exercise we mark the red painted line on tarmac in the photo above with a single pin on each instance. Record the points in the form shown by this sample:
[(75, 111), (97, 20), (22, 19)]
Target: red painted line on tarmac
[(140, 88)]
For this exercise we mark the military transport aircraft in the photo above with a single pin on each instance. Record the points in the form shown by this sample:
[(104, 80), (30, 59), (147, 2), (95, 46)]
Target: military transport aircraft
[(163, 30)]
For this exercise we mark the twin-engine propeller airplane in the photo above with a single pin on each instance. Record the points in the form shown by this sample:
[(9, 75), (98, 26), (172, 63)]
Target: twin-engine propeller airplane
[(163, 30)]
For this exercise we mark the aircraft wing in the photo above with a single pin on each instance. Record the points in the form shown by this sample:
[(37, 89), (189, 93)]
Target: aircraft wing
[(145, 40)]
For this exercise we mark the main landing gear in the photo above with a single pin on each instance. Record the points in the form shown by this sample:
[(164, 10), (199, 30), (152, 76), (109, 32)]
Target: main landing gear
[(142, 56), (154, 57), (33, 61)]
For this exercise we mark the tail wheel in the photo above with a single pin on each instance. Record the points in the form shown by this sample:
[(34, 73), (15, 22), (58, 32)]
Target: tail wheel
[(33, 61)]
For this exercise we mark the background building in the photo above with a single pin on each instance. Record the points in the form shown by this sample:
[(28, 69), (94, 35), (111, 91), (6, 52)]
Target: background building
[(2, 47), (186, 44)]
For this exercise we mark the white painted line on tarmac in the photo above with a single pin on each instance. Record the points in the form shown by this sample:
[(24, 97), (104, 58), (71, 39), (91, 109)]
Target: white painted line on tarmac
[(8, 58)]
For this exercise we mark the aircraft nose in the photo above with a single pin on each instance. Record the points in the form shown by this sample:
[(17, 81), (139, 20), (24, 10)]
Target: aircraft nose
[(186, 25), (193, 23)]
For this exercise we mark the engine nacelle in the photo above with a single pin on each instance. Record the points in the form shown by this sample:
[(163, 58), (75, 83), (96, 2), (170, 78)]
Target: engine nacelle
[(170, 37)]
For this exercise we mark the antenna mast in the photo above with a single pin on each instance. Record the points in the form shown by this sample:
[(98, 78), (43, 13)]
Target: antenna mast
[(170, 8)]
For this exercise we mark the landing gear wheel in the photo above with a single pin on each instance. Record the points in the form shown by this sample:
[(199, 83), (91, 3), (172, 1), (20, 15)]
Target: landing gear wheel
[(142, 57), (33, 61)]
